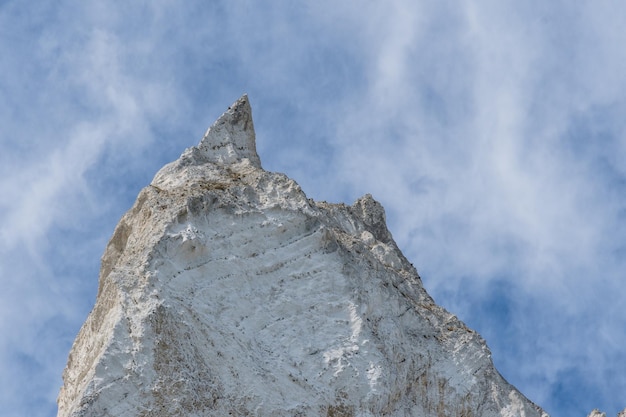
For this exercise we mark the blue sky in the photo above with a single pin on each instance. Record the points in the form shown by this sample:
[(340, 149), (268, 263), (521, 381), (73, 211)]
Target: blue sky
[(493, 132)]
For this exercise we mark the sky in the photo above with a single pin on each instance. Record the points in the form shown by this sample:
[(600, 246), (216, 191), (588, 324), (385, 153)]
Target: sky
[(492, 131)]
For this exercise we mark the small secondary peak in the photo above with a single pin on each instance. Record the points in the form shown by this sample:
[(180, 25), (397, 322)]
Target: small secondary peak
[(231, 138)]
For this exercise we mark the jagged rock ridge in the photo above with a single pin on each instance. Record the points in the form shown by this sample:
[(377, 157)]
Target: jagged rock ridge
[(598, 413), (226, 291)]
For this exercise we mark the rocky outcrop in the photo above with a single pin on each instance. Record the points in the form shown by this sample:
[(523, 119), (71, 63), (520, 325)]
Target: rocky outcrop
[(226, 291), (598, 413)]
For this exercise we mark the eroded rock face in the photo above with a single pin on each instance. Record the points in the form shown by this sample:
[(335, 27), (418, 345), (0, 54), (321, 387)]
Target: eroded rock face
[(226, 291)]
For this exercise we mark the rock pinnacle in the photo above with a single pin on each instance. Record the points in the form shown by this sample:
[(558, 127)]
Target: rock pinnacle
[(226, 291), (231, 137)]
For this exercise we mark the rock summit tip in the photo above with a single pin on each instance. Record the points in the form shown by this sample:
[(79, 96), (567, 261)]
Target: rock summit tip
[(231, 138)]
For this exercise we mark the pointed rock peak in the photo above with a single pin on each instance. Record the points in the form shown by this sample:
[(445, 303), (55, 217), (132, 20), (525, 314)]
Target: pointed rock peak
[(231, 138), (372, 213)]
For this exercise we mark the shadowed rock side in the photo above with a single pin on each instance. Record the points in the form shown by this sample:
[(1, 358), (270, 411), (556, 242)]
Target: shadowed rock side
[(226, 291)]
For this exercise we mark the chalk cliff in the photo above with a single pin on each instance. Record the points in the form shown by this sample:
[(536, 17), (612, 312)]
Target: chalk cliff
[(226, 291)]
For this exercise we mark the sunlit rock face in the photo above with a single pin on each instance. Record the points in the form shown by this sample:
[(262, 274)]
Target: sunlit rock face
[(226, 291)]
